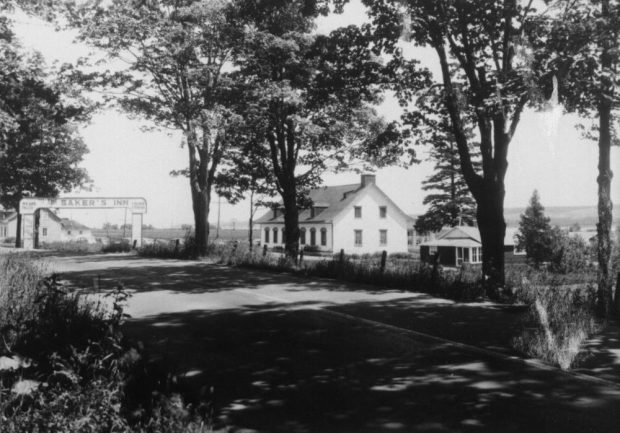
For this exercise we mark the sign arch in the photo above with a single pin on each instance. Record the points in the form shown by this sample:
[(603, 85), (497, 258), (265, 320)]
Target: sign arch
[(28, 207)]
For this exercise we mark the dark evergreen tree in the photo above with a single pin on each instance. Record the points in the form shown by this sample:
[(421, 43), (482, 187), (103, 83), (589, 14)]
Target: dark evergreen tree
[(535, 233), (450, 201)]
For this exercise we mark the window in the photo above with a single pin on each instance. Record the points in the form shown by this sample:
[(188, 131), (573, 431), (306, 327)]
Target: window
[(382, 237), (432, 250), (80, 231), (323, 236), (313, 236), (275, 235), (462, 255), (474, 255), (410, 237), (44, 231), (358, 211), (382, 211), (266, 235), (358, 238), (68, 232), (303, 236)]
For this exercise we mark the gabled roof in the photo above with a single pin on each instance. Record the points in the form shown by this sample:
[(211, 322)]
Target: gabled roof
[(68, 224), (8, 217), (332, 198), (331, 201), (466, 236)]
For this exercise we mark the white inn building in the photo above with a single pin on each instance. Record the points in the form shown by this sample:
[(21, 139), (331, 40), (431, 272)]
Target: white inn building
[(358, 218)]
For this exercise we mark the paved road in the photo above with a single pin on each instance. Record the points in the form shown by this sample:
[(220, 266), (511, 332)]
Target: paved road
[(274, 353)]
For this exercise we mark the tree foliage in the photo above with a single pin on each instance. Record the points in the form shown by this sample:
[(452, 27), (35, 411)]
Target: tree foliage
[(310, 97), (483, 78), (535, 233), (582, 51), (40, 146), (175, 53)]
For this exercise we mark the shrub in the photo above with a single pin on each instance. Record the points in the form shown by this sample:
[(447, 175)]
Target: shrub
[(560, 320), (174, 249), (569, 254), (73, 246), (122, 246), (311, 249)]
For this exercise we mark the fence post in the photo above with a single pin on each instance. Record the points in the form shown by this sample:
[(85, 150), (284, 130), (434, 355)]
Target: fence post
[(342, 256), (383, 260), (301, 257), (176, 247), (617, 294), (264, 250), (135, 242), (435, 270)]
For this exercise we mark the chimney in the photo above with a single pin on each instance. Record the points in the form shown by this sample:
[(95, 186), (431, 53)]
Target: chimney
[(367, 179)]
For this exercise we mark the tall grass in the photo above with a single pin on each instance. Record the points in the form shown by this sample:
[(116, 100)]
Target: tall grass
[(560, 320)]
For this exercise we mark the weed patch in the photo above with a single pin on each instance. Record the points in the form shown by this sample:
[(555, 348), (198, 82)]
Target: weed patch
[(559, 321)]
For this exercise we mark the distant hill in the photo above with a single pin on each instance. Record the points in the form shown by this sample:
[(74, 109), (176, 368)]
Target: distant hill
[(562, 216)]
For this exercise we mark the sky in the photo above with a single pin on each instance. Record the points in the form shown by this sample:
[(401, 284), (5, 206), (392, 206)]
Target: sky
[(547, 152)]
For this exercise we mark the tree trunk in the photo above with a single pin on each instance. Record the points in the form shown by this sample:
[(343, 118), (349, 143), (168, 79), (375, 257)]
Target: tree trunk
[(18, 235), (291, 218), (251, 222), (201, 200), (492, 226), (603, 228)]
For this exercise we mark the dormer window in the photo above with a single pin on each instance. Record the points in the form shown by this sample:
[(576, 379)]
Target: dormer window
[(357, 211)]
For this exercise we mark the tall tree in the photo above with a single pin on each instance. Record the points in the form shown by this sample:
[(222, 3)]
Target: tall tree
[(582, 50), (311, 97), (475, 42), (248, 175), (535, 233), (175, 52), (40, 147), (450, 200)]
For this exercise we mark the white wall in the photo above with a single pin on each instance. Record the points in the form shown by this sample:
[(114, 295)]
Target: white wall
[(54, 231), (11, 229), (370, 199)]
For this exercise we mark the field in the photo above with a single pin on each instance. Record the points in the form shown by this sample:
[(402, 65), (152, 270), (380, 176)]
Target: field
[(169, 234)]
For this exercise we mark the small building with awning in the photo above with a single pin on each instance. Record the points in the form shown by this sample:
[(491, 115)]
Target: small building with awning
[(460, 245)]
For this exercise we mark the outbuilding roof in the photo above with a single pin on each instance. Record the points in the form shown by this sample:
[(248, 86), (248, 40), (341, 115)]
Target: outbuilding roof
[(466, 236)]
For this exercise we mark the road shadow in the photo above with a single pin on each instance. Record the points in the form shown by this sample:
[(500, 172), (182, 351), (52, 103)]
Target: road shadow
[(276, 369), (487, 325), (603, 354)]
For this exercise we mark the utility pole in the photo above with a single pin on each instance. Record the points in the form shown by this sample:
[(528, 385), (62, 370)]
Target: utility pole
[(219, 208)]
